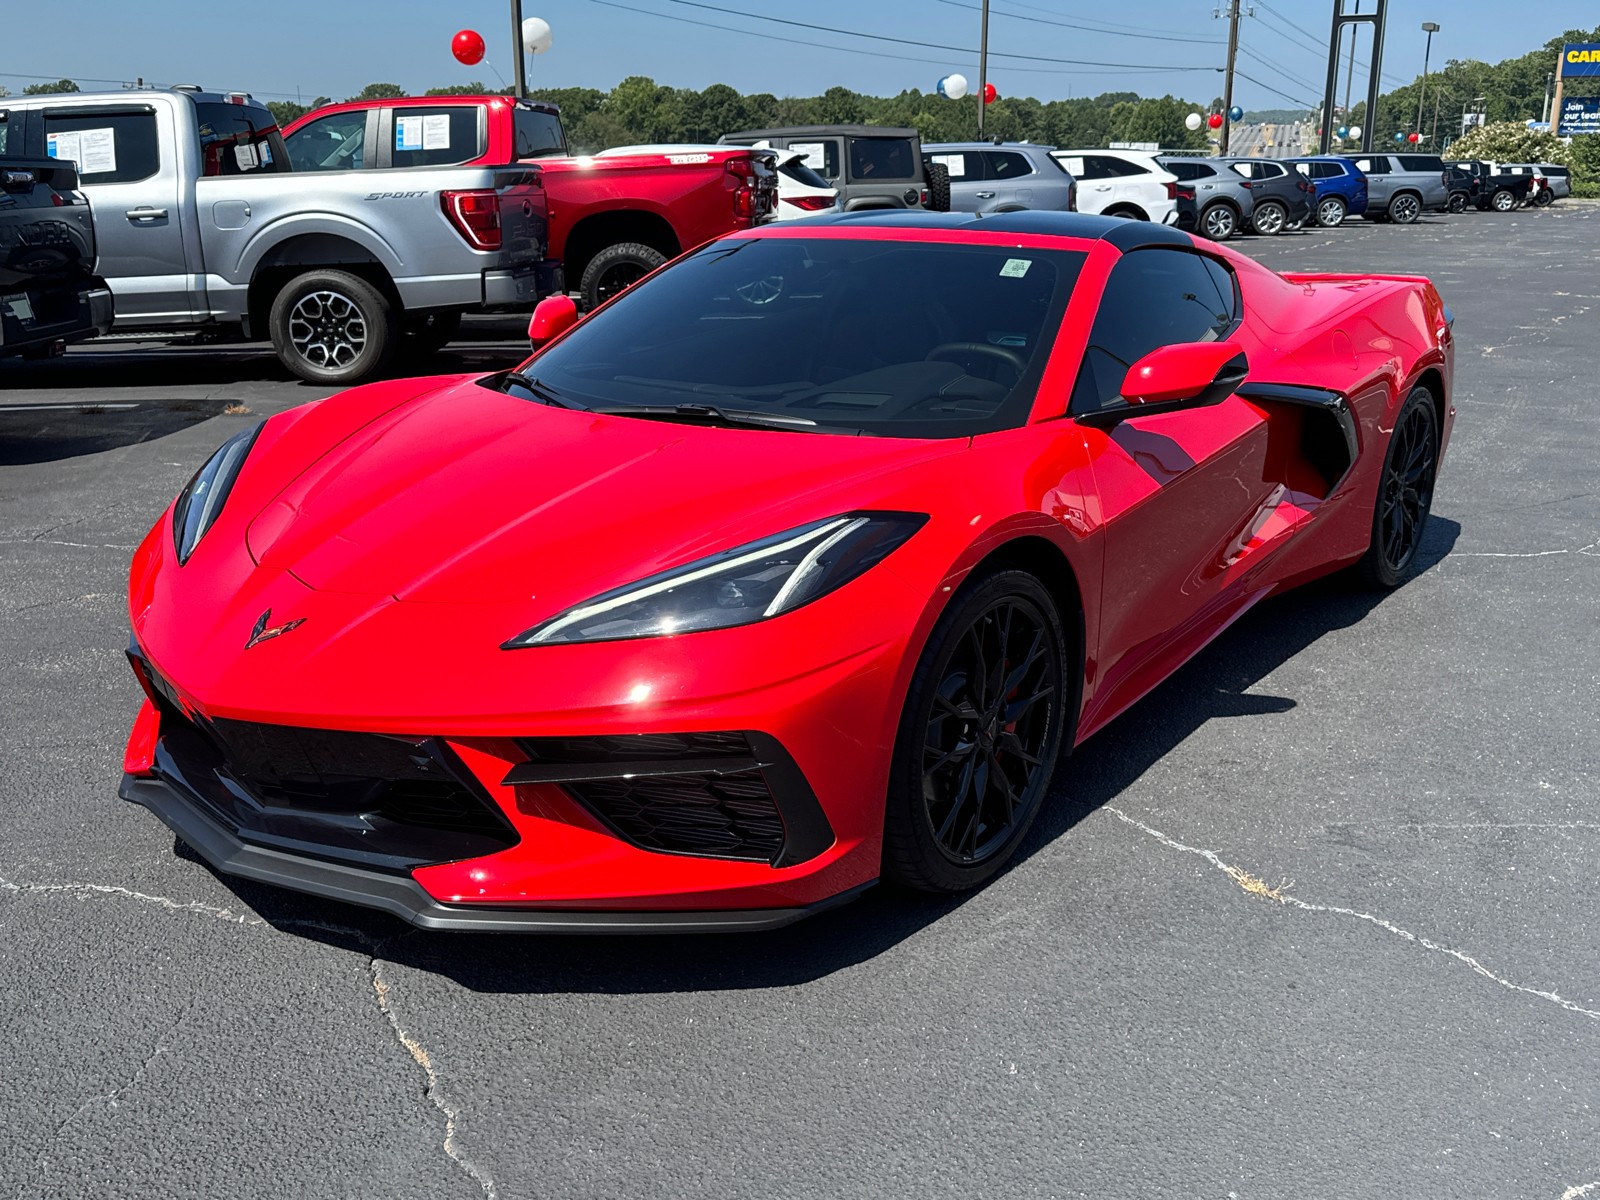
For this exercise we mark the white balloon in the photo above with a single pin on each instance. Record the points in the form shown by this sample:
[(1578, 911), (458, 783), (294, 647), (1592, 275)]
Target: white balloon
[(1355, 132), (536, 35), (955, 86), (1193, 121)]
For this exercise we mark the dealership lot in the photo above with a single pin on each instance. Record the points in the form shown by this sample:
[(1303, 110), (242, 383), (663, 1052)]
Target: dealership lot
[(1315, 918)]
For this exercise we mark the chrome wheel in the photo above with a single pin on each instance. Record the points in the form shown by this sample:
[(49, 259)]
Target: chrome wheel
[(1504, 201), (1405, 209), (990, 731), (327, 329), (1330, 212), (1269, 218)]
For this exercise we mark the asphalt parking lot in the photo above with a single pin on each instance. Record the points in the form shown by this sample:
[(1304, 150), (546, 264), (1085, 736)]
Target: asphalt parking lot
[(1317, 918)]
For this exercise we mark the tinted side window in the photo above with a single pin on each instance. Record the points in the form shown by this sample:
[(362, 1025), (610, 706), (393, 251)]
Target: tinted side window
[(236, 139), (1421, 162), (1553, 172), (1153, 298), (1269, 171), (538, 133), (5, 128), (872, 159), (1005, 164), (965, 166), (1187, 170), (332, 143), (436, 137), (1328, 171), (1121, 167), (108, 147)]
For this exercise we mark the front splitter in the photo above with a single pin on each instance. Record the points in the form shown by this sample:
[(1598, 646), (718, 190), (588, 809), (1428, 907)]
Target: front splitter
[(404, 897)]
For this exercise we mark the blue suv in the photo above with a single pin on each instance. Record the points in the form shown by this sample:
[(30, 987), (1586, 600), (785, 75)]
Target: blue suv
[(1341, 187)]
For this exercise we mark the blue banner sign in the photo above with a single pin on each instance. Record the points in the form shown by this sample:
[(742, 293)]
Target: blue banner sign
[(1579, 116), (1580, 58)]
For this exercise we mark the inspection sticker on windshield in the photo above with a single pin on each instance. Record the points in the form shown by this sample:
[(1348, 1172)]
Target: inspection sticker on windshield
[(1015, 268)]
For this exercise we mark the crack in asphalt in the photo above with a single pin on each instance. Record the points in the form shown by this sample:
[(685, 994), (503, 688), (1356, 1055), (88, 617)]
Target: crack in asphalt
[(380, 986), (1251, 884)]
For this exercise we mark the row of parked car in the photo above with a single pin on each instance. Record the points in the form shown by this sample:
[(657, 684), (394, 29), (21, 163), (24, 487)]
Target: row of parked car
[(367, 229)]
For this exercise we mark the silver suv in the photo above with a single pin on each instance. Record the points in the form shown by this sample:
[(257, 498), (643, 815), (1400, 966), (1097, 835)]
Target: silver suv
[(1401, 187), (1222, 197), (989, 177)]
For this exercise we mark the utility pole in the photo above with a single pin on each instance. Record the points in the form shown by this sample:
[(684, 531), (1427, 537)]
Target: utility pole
[(1549, 76), (1430, 28), (983, 68), (1350, 70), (518, 50), (1227, 80)]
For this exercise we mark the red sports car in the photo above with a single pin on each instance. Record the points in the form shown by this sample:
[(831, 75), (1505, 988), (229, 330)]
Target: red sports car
[(793, 567)]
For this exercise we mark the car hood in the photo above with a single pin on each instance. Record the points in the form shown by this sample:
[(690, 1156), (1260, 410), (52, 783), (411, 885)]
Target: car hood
[(465, 494)]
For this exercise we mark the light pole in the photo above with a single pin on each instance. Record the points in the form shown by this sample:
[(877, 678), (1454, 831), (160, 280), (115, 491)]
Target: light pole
[(518, 51), (1430, 28), (983, 68)]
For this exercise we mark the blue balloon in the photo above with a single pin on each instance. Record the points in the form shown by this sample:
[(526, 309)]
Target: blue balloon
[(1236, 113), (1344, 131), (1399, 137)]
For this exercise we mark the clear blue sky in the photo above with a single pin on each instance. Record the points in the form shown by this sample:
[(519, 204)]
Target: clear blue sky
[(334, 47)]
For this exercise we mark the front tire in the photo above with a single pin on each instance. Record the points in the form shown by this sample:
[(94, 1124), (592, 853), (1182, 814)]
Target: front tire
[(978, 737), (1269, 218), (615, 269), (333, 328), (1219, 222), (1405, 493), (1458, 202), (1331, 212)]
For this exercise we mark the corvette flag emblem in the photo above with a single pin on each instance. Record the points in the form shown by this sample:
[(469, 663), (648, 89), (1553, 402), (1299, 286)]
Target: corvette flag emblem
[(263, 634)]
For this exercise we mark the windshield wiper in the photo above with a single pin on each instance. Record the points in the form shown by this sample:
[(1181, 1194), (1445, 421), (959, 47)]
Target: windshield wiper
[(712, 412), (542, 391)]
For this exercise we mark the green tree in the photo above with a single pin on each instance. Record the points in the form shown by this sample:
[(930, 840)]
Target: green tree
[(285, 112), (476, 88), (380, 91), (51, 89)]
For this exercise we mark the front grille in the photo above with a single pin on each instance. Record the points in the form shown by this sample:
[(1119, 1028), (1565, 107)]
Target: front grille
[(392, 803), (703, 794)]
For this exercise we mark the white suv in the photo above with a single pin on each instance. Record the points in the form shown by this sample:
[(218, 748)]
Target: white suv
[(1122, 183)]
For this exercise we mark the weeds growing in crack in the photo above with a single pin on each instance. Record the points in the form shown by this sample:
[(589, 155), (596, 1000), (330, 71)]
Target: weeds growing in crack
[(1245, 880)]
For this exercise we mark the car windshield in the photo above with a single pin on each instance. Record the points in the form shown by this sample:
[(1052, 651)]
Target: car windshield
[(840, 335)]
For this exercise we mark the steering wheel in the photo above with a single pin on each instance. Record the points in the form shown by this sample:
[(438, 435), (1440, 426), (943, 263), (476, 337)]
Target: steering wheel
[(950, 349)]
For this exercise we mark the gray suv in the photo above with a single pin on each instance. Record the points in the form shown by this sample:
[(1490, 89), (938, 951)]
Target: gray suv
[(1223, 200), (990, 177), (1401, 187), (872, 166)]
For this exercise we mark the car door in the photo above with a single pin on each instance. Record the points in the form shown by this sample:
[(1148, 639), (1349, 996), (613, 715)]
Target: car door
[(968, 190), (127, 166), (340, 141), (1096, 183), (1379, 183), (1009, 175), (1180, 493)]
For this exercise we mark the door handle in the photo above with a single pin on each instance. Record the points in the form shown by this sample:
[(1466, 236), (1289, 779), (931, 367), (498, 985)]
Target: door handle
[(985, 195), (145, 213)]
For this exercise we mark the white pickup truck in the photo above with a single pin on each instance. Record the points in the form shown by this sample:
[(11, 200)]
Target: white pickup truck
[(203, 225)]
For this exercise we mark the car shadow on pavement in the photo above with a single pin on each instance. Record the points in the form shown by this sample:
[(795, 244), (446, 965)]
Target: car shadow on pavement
[(1213, 686), (38, 433)]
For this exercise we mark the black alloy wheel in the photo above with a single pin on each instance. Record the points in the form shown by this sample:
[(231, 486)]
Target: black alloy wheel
[(1458, 202), (333, 328), (1544, 199), (1503, 201), (1330, 212), (1405, 492), (979, 735), (614, 270), (1269, 218), (1404, 209), (1219, 222)]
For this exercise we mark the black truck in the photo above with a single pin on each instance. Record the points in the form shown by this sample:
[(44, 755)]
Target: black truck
[(1486, 186), (49, 293)]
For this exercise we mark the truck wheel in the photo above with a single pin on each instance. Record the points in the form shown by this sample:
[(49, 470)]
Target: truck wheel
[(332, 327), (428, 332), (1544, 199), (1404, 209), (615, 269), (1503, 201), (938, 176)]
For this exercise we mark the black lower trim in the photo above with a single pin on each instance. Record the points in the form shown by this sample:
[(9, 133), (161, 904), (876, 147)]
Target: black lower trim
[(404, 897)]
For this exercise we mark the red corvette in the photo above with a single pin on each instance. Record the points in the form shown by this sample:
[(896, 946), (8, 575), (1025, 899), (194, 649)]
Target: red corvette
[(795, 566)]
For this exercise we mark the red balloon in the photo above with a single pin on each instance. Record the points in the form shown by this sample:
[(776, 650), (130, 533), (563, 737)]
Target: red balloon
[(1415, 137), (989, 94), (1214, 120), (467, 46)]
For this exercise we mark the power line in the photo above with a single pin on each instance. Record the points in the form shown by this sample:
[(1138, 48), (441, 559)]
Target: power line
[(1158, 37), (1271, 66), (1272, 89), (881, 37)]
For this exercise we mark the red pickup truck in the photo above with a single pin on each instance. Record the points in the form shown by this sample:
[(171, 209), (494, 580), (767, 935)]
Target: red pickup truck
[(612, 220)]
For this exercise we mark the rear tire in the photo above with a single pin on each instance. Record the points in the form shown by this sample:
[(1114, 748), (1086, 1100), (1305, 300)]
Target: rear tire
[(333, 328), (615, 269), (978, 737), (1405, 493), (1269, 218), (1331, 212), (938, 177), (1219, 222), (1544, 199), (1503, 201), (1404, 209)]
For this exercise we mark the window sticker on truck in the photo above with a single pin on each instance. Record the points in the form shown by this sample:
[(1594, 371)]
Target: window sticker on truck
[(94, 150), (408, 133), (436, 132)]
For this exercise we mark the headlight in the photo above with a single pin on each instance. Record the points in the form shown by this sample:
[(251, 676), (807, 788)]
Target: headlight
[(737, 587), (200, 504)]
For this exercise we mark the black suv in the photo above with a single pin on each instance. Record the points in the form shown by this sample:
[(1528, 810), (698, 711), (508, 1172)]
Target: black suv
[(1488, 186), (49, 293), (872, 166)]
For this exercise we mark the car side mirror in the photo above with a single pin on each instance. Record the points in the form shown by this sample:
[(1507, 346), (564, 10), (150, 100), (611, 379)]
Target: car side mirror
[(1181, 376), (552, 317)]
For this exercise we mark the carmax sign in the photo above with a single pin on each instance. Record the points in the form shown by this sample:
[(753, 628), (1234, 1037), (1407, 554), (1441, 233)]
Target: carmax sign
[(1580, 59)]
